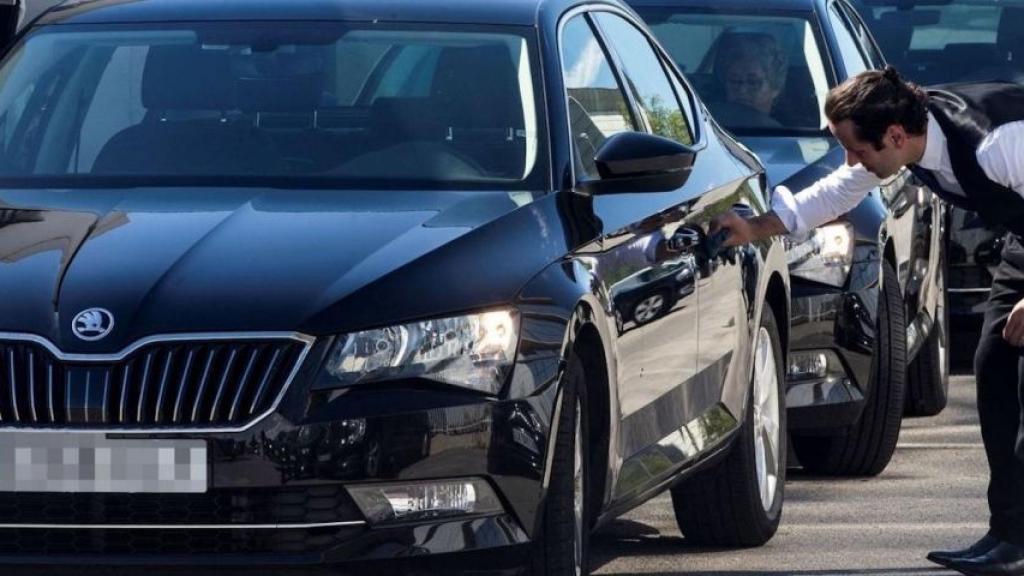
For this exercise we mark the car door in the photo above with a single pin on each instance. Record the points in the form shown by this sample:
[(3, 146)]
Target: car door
[(598, 109), (645, 263), (723, 284), (664, 304)]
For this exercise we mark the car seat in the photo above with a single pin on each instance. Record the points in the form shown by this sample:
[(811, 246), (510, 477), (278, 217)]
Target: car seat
[(187, 92)]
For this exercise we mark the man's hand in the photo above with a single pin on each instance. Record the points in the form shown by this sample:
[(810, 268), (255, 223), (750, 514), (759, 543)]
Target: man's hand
[(1013, 332), (740, 231), (743, 231)]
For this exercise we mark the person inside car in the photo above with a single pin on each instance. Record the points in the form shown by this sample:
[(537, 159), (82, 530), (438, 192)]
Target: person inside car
[(752, 68)]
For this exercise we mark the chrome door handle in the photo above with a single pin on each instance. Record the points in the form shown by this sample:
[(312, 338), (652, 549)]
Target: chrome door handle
[(684, 240)]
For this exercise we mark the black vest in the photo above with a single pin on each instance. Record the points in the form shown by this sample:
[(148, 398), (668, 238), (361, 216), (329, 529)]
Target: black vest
[(967, 113)]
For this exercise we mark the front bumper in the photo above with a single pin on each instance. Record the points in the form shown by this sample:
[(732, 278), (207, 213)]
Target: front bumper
[(276, 491), (839, 325)]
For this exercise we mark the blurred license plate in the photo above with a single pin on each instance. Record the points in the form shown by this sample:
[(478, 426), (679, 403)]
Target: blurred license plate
[(43, 462)]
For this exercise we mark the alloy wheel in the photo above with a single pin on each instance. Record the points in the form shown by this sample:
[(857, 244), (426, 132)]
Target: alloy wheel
[(648, 308), (766, 418)]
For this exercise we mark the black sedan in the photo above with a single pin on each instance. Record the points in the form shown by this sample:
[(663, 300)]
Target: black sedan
[(320, 282), (869, 321)]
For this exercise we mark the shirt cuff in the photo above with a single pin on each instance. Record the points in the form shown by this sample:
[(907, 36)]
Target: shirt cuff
[(784, 206)]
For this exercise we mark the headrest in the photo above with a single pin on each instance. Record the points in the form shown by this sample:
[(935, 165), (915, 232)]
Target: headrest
[(459, 85), (1010, 37), (412, 118), (297, 93), (976, 53), (186, 77)]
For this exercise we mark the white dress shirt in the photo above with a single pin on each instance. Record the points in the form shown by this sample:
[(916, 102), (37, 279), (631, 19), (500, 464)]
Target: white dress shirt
[(1000, 154)]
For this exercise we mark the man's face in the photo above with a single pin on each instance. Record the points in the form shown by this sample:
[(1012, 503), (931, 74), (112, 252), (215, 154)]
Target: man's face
[(882, 163)]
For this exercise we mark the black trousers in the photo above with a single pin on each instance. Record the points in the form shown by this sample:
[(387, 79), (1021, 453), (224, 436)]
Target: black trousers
[(999, 371)]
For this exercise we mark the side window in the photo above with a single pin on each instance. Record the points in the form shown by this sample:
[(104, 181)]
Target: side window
[(645, 74), (597, 106), (849, 51), (863, 36), (686, 100)]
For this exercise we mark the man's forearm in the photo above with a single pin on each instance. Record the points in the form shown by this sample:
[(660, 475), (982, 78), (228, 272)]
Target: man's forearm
[(744, 231)]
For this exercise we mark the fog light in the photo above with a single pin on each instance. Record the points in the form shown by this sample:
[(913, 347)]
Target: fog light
[(808, 365), (382, 503)]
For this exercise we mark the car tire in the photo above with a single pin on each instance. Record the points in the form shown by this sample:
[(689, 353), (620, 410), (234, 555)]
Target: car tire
[(928, 373), (563, 541), (866, 448), (734, 503), (649, 308)]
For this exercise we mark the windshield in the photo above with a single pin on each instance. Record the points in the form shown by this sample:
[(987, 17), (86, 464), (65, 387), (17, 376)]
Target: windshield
[(953, 41), (273, 104), (757, 74)]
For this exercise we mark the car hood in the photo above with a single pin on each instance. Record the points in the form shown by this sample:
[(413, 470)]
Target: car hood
[(172, 260), (786, 157)]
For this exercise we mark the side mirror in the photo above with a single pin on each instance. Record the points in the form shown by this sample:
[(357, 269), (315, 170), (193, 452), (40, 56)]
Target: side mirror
[(640, 162)]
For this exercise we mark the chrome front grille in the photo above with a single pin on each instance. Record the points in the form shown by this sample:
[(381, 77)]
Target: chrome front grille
[(161, 384)]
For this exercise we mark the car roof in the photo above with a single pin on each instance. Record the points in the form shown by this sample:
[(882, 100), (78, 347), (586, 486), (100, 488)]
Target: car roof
[(751, 6), (508, 12)]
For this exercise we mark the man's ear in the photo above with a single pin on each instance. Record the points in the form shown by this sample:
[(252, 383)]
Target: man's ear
[(897, 135)]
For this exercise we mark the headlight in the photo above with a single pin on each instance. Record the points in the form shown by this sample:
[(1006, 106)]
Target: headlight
[(475, 351), (825, 256)]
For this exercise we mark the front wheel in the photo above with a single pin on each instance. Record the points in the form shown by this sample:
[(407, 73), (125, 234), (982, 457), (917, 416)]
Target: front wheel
[(738, 502), (928, 374), (866, 448), (562, 546)]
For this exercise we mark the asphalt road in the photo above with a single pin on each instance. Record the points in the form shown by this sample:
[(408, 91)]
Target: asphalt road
[(931, 496)]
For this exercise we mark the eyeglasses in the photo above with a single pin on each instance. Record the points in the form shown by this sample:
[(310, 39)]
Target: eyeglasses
[(752, 82)]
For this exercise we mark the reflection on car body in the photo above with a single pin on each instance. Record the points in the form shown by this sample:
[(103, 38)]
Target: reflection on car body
[(652, 292)]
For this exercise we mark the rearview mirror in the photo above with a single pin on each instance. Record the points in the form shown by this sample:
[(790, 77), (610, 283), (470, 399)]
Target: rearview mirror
[(640, 162)]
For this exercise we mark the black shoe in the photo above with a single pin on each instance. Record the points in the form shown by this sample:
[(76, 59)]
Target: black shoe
[(946, 557), (1003, 560)]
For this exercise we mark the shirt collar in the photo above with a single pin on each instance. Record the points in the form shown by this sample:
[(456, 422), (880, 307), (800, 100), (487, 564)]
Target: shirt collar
[(935, 152)]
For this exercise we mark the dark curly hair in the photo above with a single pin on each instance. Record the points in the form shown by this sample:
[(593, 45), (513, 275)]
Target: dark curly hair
[(875, 100)]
